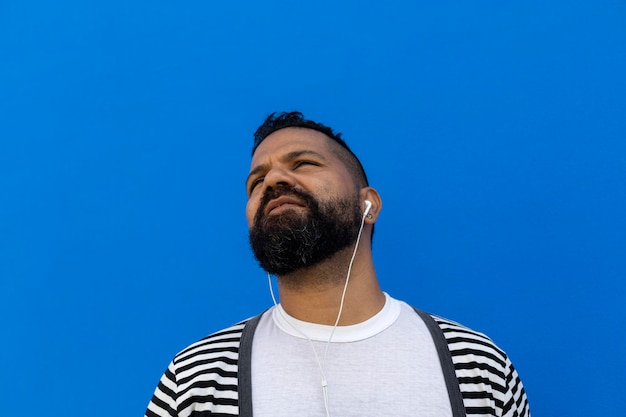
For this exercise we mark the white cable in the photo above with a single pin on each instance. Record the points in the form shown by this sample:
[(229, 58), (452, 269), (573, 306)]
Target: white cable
[(322, 364), (345, 287), (317, 359)]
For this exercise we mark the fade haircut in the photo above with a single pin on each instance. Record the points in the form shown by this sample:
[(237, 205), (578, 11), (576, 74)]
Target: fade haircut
[(338, 146)]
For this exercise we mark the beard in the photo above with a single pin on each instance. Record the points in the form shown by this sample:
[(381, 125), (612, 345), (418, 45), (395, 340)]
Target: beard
[(291, 240)]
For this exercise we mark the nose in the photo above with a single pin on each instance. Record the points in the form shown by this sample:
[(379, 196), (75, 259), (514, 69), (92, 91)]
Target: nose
[(278, 176)]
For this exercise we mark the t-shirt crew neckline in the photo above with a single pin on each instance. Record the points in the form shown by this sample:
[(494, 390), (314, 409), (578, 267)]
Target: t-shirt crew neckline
[(343, 334)]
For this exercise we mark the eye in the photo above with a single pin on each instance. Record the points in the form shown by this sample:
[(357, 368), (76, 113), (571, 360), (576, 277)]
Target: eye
[(254, 183), (298, 164)]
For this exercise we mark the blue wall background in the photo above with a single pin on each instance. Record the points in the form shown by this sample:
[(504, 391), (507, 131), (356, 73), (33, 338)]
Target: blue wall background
[(495, 133)]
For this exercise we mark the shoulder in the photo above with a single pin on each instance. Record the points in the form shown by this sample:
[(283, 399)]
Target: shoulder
[(222, 345), (202, 377), (462, 339), (466, 346), (487, 378), (472, 351), (459, 338)]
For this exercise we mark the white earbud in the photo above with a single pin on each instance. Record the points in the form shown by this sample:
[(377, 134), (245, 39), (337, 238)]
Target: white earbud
[(368, 206)]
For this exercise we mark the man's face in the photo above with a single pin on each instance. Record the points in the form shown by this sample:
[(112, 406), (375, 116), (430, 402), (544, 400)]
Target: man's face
[(303, 204)]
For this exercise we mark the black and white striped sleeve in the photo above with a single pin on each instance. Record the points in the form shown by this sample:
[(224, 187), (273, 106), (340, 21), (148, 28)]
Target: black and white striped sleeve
[(201, 380), (490, 385)]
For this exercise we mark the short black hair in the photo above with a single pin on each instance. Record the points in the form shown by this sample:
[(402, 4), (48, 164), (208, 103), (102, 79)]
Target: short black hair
[(277, 121)]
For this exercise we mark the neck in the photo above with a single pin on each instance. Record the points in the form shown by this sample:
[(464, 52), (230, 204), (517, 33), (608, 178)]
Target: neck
[(314, 294)]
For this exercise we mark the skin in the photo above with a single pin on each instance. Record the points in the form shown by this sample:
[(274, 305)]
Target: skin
[(302, 158)]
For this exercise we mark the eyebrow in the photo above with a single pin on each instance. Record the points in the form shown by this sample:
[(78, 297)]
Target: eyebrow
[(287, 157)]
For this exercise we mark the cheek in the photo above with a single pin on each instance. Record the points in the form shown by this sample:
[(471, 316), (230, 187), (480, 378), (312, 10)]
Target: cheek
[(251, 208)]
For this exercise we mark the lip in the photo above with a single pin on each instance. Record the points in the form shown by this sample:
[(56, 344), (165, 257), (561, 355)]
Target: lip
[(281, 201)]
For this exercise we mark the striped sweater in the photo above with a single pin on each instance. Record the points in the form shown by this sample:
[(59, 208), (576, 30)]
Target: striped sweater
[(212, 376)]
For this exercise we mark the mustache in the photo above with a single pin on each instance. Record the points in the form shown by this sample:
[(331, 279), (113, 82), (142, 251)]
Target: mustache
[(284, 190)]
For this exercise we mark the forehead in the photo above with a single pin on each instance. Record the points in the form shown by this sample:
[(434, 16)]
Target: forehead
[(292, 139)]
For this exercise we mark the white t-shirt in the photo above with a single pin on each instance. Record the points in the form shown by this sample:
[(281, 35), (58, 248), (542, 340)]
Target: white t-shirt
[(385, 366)]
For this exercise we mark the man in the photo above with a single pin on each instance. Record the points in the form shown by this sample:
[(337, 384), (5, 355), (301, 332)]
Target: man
[(336, 345)]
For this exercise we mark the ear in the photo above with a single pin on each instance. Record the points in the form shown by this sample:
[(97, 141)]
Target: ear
[(370, 194)]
